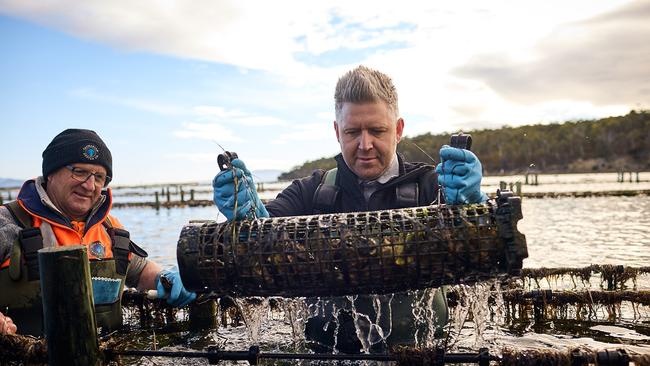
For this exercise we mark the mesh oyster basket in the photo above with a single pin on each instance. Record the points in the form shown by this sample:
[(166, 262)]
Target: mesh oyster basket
[(354, 253)]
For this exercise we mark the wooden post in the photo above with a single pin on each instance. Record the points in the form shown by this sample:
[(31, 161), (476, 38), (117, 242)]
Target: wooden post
[(182, 195), (630, 176), (68, 312), (637, 177), (511, 186), (162, 191), (9, 192), (168, 199), (536, 183), (203, 315), (503, 185), (518, 189), (1, 199), (526, 178), (157, 205), (191, 194)]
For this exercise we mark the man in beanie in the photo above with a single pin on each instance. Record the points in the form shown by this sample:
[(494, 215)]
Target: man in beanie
[(70, 205)]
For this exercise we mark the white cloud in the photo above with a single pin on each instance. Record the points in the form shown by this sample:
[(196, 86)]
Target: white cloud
[(135, 103), (308, 132), (603, 60), (235, 117), (519, 57), (206, 131), (192, 157), (206, 111)]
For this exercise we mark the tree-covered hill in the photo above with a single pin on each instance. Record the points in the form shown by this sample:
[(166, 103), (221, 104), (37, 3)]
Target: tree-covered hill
[(603, 145)]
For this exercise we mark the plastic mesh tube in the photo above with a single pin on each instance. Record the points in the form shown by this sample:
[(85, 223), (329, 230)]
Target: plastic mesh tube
[(354, 253)]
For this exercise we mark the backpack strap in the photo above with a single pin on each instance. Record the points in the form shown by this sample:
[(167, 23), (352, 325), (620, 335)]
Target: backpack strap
[(121, 242), (122, 246), (326, 193), (407, 194), (21, 216), (30, 238)]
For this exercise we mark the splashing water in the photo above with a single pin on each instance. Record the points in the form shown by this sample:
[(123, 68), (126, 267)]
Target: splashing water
[(253, 310)]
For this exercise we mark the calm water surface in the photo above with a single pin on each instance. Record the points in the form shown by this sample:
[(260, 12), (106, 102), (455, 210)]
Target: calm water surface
[(563, 232)]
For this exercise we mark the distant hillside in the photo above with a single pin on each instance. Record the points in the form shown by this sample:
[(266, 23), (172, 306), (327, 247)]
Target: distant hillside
[(307, 168), (10, 183), (603, 145), (266, 175)]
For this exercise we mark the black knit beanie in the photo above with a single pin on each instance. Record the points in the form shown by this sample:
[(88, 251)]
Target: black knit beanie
[(76, 146)]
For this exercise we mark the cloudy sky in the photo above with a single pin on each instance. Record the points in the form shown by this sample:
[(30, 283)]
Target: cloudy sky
[(164, 81)]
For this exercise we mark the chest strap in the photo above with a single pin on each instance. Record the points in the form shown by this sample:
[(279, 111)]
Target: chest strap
[(326, 193), (30, 239), (407, 195), (121, 246)]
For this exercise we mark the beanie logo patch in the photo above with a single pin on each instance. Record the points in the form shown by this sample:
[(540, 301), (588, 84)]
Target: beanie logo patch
[(90, 152)]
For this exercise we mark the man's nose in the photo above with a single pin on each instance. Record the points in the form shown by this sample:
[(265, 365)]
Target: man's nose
[(365, 141), (89, 183)]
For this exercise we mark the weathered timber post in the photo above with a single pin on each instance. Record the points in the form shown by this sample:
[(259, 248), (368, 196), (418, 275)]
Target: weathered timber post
[(637, 177), (526, 179), (503, 185), (168, 199), (182, 195), (9, 198), (203, 315), (68, 311), (518, 189), (157, 205), (191, 194), (1, 199), (536, 183)]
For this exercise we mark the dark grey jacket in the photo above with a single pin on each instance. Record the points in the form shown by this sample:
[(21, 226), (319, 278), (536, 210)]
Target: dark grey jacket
[(298, 198)]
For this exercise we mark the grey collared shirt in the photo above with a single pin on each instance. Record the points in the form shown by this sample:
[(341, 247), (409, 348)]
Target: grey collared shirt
[(368, 187)]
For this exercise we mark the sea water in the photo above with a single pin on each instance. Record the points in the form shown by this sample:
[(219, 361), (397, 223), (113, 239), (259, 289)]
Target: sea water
[(562, 232)]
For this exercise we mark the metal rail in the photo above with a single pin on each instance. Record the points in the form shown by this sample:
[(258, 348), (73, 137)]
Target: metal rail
[(253, 356)]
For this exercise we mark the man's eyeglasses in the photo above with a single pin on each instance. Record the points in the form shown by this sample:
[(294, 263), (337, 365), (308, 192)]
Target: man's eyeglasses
[(82, 175)]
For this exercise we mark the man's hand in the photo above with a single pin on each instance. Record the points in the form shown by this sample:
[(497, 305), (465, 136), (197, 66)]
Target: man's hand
[(7, 325), (170, 286), (246, 196), (460, 174)]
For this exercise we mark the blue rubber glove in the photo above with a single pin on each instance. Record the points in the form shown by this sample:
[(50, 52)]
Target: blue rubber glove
[(177, 296), (247, 199), (460, 174)]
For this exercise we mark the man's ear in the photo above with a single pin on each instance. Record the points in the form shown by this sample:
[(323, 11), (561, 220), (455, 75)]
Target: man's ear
[(399, 129), (336, 129)]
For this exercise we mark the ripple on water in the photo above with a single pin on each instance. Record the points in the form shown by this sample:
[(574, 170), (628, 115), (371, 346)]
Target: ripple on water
[(563, 232)]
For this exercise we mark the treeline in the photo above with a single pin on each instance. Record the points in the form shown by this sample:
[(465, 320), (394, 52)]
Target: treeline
[(604, 145)]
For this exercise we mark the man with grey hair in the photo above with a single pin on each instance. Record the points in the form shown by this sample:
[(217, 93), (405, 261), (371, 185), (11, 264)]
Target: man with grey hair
[(70, 204), (370, 175)]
